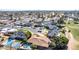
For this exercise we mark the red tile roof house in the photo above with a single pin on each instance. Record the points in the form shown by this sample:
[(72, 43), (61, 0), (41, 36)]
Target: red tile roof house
[(39, 40)]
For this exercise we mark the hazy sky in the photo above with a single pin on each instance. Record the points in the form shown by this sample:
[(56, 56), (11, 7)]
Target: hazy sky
[(39, 5)]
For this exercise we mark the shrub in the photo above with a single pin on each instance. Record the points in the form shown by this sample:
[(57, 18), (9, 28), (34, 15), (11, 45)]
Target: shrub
[(33, 46)]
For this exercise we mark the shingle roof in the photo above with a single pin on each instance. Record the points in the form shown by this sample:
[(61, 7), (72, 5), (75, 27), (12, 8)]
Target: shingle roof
[(39, 40)]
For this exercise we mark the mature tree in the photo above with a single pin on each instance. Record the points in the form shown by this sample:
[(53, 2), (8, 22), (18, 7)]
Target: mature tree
[(61, 21), (11, 17), (59, 43)]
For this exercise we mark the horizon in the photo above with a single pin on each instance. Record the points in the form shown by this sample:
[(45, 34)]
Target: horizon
[(13, 5), (37, 10)]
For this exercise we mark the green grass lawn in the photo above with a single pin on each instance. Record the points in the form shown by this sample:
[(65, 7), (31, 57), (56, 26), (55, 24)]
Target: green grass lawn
[(74, 30)]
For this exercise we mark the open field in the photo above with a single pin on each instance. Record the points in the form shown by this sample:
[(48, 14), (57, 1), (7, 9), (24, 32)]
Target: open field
[(74, 28)]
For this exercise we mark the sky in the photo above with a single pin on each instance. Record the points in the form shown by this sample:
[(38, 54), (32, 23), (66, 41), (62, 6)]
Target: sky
[(39, 5)]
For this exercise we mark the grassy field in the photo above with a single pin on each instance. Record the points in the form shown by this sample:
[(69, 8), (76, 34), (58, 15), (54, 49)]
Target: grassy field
[(74, 30)]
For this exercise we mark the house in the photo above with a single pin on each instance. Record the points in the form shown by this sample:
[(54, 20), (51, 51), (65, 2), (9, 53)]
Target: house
[(8, 30), (19, 36), (39, 40), (37, 20), (55, 19), (53, 32), (70, 19)]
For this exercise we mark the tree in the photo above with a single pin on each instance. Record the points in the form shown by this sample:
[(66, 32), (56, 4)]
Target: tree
[(11, 17), (63, 31), (59, 43), (52, 44), (27, 32), (61, 21)]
